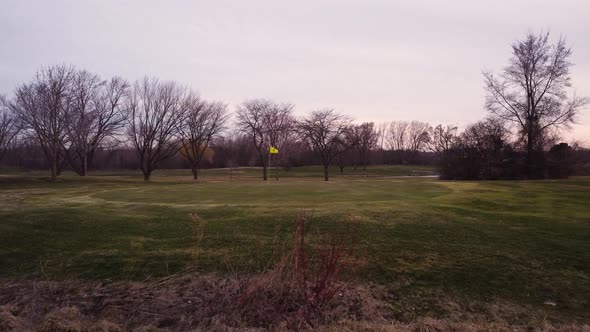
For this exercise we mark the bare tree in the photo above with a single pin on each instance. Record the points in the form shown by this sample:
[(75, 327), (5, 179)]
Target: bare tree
[(417, 136), (396, 135), (267, 124), (9, 126), (532, 91), (345, 146), (95, 114), (407, 138), (382, 134), (155, 109), (42, 107), (441, 138), (280, 123), (202, 122), (396, 138), (250, 120), (324, 130), (366, 138)]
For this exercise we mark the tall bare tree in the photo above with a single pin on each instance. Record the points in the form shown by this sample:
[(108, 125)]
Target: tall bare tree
[(95, 114), (323, 130), (417, 136), (267, 124), (280, 124), (345, 147), (155, 111), (366, 138), (396, 135), (202, 122), (251, 121), (9, 126), (407, 138), (382, 134), (532, 91), (42, 108), (441, 138)]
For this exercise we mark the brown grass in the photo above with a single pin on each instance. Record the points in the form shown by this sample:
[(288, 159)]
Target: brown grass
[(191, 302), (182, 303), (303, 283)]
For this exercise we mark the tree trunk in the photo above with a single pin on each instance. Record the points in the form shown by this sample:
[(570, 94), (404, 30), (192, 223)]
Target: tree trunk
[(325, 172), (85, 165), (529, 153), (264, 170), (146, 176), (195, 173), (54, 169)]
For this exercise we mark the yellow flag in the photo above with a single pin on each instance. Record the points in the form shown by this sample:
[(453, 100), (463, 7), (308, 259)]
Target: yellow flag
[(273, 150)]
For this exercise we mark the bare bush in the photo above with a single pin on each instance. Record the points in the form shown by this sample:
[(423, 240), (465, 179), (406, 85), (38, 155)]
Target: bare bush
[(306, 279)]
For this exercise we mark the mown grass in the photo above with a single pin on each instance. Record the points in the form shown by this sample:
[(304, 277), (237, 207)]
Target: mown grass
[(521, 242)]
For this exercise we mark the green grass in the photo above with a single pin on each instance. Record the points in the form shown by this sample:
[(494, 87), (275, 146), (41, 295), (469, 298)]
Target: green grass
[(522, 242)]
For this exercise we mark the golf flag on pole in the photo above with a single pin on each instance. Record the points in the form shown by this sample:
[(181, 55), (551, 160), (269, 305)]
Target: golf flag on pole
[(273, 150)]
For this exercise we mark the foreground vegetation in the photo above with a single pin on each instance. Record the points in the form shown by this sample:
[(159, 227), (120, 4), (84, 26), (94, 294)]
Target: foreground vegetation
[(435, 246)]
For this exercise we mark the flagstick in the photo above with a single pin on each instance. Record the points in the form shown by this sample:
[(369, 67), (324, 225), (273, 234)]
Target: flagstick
[(268, 173)]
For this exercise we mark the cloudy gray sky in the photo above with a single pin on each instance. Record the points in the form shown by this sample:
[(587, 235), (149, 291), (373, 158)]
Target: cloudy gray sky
[(376, 60)]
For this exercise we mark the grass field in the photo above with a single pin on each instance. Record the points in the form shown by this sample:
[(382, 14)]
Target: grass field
[(433, 242)]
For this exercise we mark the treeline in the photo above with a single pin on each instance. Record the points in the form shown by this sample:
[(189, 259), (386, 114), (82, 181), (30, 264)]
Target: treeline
[(71, 119), (67, 118)]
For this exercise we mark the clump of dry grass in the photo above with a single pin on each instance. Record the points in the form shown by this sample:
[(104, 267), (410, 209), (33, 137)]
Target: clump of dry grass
[(206, 302), (302, 283), (184, 302), (8, 322)]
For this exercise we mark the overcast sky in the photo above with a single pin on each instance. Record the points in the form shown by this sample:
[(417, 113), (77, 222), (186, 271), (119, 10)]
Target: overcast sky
[(376, 60)]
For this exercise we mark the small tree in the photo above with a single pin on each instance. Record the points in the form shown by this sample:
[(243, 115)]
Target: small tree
[(323, 130), (202, 122), (155, 111)]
